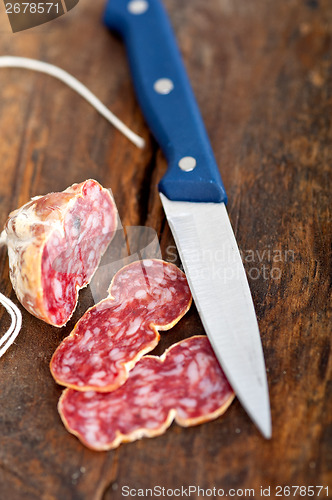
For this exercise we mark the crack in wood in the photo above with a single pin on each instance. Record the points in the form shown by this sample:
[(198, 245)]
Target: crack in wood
[(146, 191)]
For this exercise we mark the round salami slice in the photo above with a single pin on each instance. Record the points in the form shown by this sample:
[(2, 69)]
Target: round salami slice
[(144, 297), (55, 243), (186, 384)]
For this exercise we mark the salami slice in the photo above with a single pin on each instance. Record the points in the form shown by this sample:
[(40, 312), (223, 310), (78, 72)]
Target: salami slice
[(186, 384), (55, 243), (144, 297)]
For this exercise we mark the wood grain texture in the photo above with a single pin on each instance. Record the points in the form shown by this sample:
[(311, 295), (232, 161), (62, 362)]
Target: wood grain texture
[(262, 74)]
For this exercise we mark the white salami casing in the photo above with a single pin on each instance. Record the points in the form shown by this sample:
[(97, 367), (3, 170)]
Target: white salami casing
[(55, 243)]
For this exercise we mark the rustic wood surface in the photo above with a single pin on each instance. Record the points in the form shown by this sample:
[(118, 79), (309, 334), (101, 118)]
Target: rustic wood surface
[(262, 74)]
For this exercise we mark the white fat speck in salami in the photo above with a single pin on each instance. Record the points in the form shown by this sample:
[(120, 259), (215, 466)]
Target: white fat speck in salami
[(150, 399), (53, 249), (124, 326)]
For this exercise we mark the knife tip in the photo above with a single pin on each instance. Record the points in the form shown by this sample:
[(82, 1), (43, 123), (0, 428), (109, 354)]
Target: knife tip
[(265, 426)]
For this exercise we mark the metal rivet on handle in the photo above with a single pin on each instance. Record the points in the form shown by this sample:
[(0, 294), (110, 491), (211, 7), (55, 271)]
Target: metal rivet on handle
[(163, 86), (187, 163), (137, 6)]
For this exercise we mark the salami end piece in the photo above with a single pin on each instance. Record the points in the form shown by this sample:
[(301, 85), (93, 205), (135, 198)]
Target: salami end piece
[(144, 297), (186, 384), (55, 243)]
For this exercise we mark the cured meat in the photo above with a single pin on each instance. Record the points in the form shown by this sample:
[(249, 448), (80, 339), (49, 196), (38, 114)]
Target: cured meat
[(186, 384), (144, 297), (55, 243)]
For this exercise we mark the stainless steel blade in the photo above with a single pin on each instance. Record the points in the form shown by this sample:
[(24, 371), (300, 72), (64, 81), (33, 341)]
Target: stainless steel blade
[(218, 282)]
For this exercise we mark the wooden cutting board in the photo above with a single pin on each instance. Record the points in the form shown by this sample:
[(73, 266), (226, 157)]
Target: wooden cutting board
[(262, 74)]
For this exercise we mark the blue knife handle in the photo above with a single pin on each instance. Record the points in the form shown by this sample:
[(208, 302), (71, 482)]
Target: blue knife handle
[(172, 115)]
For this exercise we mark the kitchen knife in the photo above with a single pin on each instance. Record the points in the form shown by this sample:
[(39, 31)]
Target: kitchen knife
[(194, 198)]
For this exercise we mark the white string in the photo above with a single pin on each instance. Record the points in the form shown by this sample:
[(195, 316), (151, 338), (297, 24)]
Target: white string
[(82, 90), (22, 62), (16, 322)]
